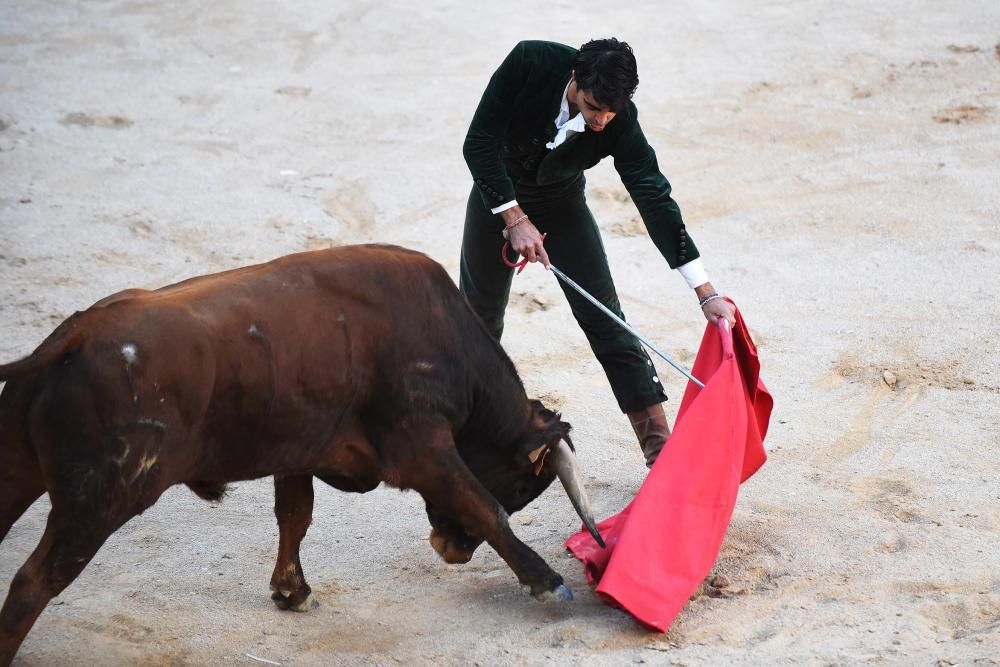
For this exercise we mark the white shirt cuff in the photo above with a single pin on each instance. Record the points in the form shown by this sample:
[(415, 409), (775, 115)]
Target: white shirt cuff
[(503, 207), (694, 273)]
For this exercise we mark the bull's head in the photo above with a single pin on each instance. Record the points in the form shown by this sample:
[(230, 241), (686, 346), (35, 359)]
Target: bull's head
[(516, 477)]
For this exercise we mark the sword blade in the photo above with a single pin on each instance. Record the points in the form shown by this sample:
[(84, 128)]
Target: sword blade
[(625, 325)]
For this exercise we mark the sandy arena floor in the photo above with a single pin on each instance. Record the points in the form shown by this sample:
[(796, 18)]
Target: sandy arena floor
[(837, 164)]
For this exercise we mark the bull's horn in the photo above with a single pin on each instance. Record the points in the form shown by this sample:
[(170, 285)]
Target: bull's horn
[(564, 463)]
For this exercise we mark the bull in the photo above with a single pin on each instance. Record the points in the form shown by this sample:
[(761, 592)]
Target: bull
[(355, 365)]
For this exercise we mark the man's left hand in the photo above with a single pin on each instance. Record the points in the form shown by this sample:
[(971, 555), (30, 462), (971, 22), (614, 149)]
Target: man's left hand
[(717, 308)]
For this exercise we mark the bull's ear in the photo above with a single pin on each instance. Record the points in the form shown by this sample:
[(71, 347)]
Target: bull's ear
[(541, 414), (548, 429), (554, 428), (549, 425)]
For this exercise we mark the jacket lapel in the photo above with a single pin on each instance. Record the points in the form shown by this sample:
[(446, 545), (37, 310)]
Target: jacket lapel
[(552, 110)]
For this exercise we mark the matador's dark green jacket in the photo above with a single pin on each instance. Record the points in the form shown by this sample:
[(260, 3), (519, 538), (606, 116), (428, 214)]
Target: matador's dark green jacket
[(516, 118)]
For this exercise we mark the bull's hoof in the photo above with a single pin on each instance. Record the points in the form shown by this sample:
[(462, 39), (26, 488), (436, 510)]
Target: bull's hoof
[(309, 603), (560, 593), (294, 601)]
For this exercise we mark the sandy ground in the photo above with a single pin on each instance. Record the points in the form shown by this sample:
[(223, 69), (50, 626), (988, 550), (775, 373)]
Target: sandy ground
[(837, 164)]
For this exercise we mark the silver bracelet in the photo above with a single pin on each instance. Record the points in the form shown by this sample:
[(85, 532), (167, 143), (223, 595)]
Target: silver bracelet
[(710, 297)]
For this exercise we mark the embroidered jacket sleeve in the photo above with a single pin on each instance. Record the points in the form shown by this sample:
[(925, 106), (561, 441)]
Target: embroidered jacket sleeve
[(484, 141), (636, 163)]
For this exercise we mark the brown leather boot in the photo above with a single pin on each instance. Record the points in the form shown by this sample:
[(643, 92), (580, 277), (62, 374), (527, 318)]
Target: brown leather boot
[(650, 426)]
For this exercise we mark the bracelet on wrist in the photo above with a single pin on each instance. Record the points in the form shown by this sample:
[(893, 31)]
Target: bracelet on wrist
[(709, 297), (518, 221), (506, 230)]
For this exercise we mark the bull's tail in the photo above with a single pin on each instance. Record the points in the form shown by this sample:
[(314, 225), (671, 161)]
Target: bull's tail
[(66, 339)]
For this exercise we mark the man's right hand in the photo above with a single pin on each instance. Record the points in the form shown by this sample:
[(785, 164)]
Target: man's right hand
[(524, 237)]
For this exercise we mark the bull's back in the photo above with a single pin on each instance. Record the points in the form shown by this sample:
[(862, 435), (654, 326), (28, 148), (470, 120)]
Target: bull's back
[(287, 352), (376, 280), (301, 303)]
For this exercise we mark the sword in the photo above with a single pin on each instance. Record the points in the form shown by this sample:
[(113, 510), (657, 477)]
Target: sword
[(622, 323)]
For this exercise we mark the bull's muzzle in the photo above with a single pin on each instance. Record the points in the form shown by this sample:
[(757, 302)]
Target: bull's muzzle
[(563, 461)]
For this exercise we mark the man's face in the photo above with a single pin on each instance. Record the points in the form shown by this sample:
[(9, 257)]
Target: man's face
[(596, 115)]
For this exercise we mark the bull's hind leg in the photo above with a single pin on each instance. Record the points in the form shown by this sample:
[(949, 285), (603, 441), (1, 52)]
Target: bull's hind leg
[(20, 478), (20, 485), (70, 540), (293, 506), (440, 475), (15, 499)]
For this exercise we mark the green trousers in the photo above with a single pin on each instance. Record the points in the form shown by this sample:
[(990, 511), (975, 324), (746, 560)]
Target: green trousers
[(574, 245)]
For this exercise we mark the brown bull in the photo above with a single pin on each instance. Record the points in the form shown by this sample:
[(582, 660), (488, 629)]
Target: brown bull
[(356, 365)]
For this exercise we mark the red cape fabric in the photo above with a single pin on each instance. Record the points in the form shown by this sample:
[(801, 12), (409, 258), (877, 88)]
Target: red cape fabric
[(663, 545)]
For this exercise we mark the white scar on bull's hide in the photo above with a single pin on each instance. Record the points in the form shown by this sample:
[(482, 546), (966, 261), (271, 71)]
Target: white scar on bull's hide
[(130, 353), (424, 366)]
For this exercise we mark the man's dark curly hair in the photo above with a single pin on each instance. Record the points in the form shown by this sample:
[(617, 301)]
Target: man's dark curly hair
[(606, 69)]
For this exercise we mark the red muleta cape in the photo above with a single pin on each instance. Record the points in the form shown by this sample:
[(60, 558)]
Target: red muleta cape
[(663, 545)]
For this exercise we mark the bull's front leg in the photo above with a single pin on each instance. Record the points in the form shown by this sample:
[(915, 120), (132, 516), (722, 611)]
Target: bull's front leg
[(431, 466), (293, 506)]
